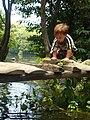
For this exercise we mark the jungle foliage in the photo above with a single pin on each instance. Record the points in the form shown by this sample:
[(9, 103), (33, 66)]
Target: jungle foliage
[(73, 94), (74, 13)]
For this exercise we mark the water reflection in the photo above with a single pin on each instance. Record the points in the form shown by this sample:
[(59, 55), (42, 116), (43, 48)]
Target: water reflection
[(16, 90), (13, 95)]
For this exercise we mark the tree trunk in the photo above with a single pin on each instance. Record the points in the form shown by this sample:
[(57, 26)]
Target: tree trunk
[(6, 36), (44, 30), (53, 20)]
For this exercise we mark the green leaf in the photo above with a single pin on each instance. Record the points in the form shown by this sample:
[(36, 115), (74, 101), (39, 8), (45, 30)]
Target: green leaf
[(23, 107), (88, 102)]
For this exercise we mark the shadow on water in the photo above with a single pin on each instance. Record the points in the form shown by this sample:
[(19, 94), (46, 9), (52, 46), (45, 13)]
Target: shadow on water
[(13, 95)]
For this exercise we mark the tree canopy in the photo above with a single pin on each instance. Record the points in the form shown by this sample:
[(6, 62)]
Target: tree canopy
[(73, 12)]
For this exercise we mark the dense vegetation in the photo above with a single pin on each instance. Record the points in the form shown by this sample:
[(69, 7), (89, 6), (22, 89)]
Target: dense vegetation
[(75, 13), (73, 94)]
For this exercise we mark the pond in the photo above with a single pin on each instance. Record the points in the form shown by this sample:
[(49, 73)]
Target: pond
[(12, 96)]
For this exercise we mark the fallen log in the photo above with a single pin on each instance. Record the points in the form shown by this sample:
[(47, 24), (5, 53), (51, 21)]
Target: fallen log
[(14, 72), (48, 67), (47, 76), (76, 67), (19, 68), (71, 74)]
